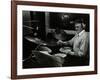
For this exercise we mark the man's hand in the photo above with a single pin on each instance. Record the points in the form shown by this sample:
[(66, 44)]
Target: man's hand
[(60, 42), (65, 50)]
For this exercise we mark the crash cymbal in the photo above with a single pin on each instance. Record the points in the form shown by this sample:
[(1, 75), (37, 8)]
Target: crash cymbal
[(28, 27), (32, 21), (35, 40)]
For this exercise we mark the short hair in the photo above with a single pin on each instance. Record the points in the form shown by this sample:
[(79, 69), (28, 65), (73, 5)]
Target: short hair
[(81, 21)]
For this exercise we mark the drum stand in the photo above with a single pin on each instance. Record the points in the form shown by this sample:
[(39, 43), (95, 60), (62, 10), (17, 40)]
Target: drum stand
[(32, 56)]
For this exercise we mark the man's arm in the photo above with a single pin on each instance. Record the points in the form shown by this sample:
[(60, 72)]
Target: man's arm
[(82, 50), (70, 42)]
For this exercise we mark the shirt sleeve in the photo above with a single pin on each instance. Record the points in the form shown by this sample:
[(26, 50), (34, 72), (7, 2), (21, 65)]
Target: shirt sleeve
[(84, 44), (71, 41)]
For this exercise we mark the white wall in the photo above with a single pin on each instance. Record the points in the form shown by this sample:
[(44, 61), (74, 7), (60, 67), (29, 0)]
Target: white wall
[(5, 40)]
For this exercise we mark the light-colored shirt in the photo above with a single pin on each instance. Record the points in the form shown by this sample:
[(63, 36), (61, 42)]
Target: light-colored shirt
[(80, 43)]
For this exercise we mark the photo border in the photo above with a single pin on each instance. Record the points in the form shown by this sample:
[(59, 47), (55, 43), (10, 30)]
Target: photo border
[(14, 38)]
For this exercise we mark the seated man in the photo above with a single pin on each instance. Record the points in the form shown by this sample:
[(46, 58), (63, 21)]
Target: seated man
[(80, 43)]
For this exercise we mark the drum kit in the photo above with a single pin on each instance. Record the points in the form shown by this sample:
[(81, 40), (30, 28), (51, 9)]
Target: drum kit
[(42, 51)]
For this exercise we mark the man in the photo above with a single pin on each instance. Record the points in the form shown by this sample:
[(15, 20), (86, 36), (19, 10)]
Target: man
[(80, 44)]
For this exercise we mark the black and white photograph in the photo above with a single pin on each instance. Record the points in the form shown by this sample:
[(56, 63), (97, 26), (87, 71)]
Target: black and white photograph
[(53, 39)]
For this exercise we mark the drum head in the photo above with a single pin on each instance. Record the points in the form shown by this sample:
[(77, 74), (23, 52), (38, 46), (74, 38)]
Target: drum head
[(44, 48)]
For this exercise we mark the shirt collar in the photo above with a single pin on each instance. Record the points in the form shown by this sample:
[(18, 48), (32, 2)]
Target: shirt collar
[(81, 32)]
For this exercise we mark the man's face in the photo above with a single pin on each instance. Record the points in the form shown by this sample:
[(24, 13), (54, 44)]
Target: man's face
[(78, 27)]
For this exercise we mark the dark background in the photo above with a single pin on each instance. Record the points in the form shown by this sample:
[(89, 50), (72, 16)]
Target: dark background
[(66, 20)]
